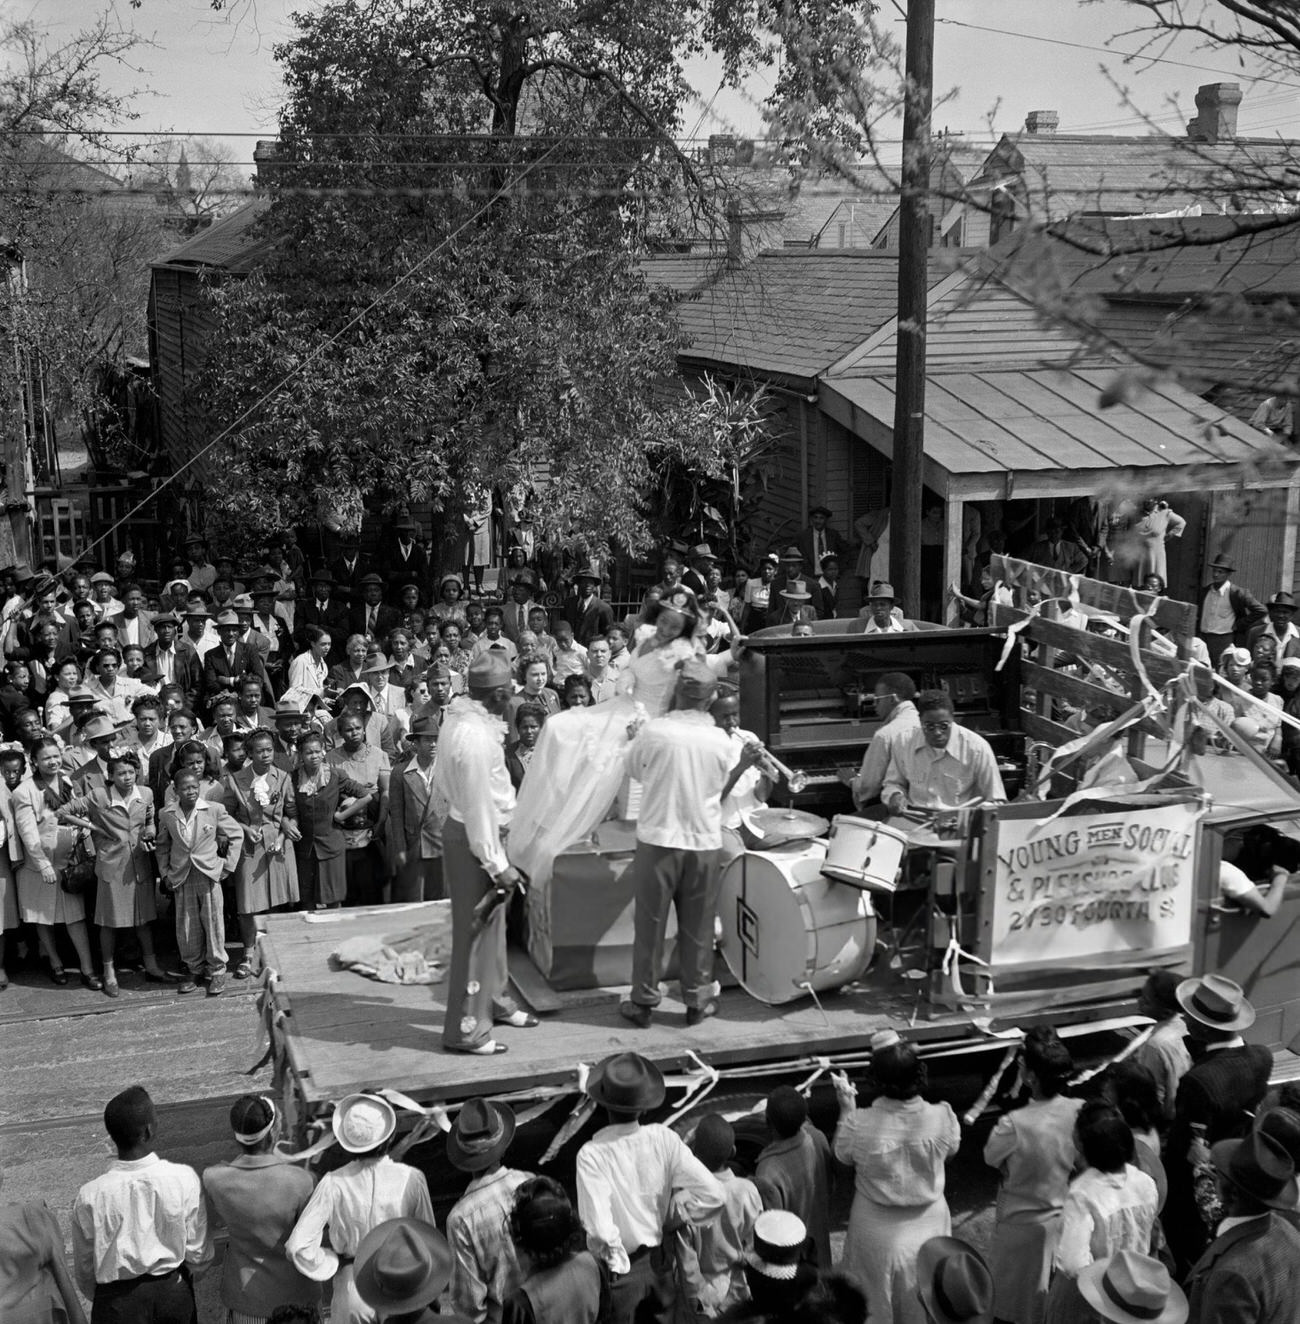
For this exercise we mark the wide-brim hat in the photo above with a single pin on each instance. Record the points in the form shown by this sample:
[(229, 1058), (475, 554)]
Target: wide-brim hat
[(702, 552), (797, 591), (626, 1082), (821, 510), (195, 540), (362, 1122), (1215, 1001), (590, 571), (98, 728), (80, 694), (401, 1266), (1222, 563), (1132, 1289), (263, 571), (242, 602), (880, 589), (166, 618), (1259, 1166), (524, 576), (375, 662), (1283, 600), (481, 1135), (425, 725), (287, 708), (321, 576), (227, 618), (792, 554), (197, 614), (371, 578), (954, 1282)]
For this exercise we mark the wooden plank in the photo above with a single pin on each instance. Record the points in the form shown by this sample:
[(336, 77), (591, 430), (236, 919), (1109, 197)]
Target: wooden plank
[(1091, 647), (1043, 728), (1082, 693), (1171, 616)]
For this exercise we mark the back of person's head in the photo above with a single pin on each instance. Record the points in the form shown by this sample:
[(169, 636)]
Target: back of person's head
[(1133, 1089), (1105, 1138), (897, 1071), (1049, 1060), (787, 1111), (832, 1299), (129, 1117), (899, 684), (252, 1119), (1159, 993), (714, 1141), (544, 1224)]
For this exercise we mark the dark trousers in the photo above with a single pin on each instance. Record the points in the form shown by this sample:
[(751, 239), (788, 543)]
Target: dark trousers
[(645, 1294), (168, 1299), (476, 982), (420, 880), (365, 877), (686, 880), (1215, 644)]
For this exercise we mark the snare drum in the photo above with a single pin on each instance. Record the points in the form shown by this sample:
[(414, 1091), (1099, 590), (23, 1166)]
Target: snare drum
[(863, 853), (787, 928)]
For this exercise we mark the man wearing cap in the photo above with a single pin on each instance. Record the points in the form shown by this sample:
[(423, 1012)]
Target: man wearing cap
[(232, 658), (1228, 611), (686, 766), (471, 780), (485, 1269), (403, 561), (370, 616), (1250, 1273), (1280, 626), (173, 660), (629, 1176), (584, 610), (354, 1200), (1226, 1083), (415, 823), (818, 539), (402, 1268), (103, 593), (701, 560), (879, 613)]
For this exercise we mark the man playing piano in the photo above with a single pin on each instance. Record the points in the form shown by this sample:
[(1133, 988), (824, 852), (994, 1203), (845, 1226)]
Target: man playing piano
[(941, 765)]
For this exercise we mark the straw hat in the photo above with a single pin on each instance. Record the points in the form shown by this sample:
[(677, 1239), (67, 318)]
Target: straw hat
[(1132, 1289), (362, 1122)]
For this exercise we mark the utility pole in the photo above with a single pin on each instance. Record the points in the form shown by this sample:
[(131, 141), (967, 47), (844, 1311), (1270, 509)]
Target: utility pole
[(913, 262)]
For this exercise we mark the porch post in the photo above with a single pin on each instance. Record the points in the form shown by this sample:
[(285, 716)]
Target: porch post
[(951, 548)]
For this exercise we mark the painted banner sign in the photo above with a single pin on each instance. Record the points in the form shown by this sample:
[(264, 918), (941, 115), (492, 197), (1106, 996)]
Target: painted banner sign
[(1094, 885)]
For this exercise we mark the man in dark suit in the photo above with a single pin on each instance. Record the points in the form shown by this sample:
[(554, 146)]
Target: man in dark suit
[(348, 568), (231, 659), (584, 610), (522, 588), (819, 538), (173, 660), (1251, 1272), (370, 616), (1227, 1082), (1228, 611), (415, 825), (792, 570), (404, 561), (696, 577), (1280, 626), (326, 611), (1058, 552)]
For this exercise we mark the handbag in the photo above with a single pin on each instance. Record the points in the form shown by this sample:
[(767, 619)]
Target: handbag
[(79, 872)]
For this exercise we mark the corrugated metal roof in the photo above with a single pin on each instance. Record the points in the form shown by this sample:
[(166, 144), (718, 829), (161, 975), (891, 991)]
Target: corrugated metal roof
[(793, 313), (1046, 419), (232, 244)]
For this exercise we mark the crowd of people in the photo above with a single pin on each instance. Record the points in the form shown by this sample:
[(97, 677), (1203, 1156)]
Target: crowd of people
[(1167, 1192)]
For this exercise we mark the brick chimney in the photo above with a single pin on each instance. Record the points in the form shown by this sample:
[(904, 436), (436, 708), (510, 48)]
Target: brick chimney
[(266, 161), (1042, 121), (1216, 112)]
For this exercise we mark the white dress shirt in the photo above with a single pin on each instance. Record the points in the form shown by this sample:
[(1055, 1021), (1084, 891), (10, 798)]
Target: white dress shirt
[(165, 663), (965, 770), (682, 761), (143, 1216), (471, 779), (744, 794), (627, 1177)]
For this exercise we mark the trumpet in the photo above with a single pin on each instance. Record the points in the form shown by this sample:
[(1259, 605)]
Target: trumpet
[(775, 769)]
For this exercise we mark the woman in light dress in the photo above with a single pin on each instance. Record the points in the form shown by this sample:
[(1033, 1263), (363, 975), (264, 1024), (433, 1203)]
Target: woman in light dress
[(897, 1149), (1033, 1150), (1155, 525), (309, 671), (651, 677)]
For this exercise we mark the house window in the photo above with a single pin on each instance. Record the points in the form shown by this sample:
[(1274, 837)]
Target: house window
[(1002, 219)]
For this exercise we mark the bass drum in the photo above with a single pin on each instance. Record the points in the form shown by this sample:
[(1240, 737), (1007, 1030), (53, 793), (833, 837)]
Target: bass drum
[(787, 928)]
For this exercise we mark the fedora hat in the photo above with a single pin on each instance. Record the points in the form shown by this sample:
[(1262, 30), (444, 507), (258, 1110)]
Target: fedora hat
[(404, 522), (1283, 600), (196, 540), (626, 1082), (881, 589), (166, 618), (1283, 1125), (1260, 1167), (322, 576), (821, 510), (1215, 1001), (792, 554), (482, 1134), (954, 1282), (1132, 1289), (81, 694), (361, 1122), (375, 662), (589, 571), (242, 602), (287, 708), (1222, 563), (796, 590), (228, 618), (702, 552), (401, 1266), (197, 614), (371, 578), (425, 725), (488, 671), (98, 728)]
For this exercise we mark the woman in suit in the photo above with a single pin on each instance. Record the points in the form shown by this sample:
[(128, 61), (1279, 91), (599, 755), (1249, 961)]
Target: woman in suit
[(46, 849), (120, 819), (261, 799), (322, 862)]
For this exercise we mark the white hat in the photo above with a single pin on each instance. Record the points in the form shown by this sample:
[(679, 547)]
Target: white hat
[(362, 1122)]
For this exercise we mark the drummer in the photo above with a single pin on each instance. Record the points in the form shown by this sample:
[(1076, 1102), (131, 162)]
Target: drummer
[(895, 696), (941, 765), (752, 787)]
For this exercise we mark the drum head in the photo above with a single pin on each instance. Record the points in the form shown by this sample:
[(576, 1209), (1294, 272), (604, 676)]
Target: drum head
[(764, 930)]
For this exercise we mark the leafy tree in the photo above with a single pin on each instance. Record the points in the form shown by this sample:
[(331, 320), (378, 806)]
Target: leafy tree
[(454, 296), (195, 180)]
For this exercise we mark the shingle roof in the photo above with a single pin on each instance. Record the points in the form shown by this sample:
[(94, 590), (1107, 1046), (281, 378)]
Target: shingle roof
[(1066, 174), (232, 244), (791, 314)]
